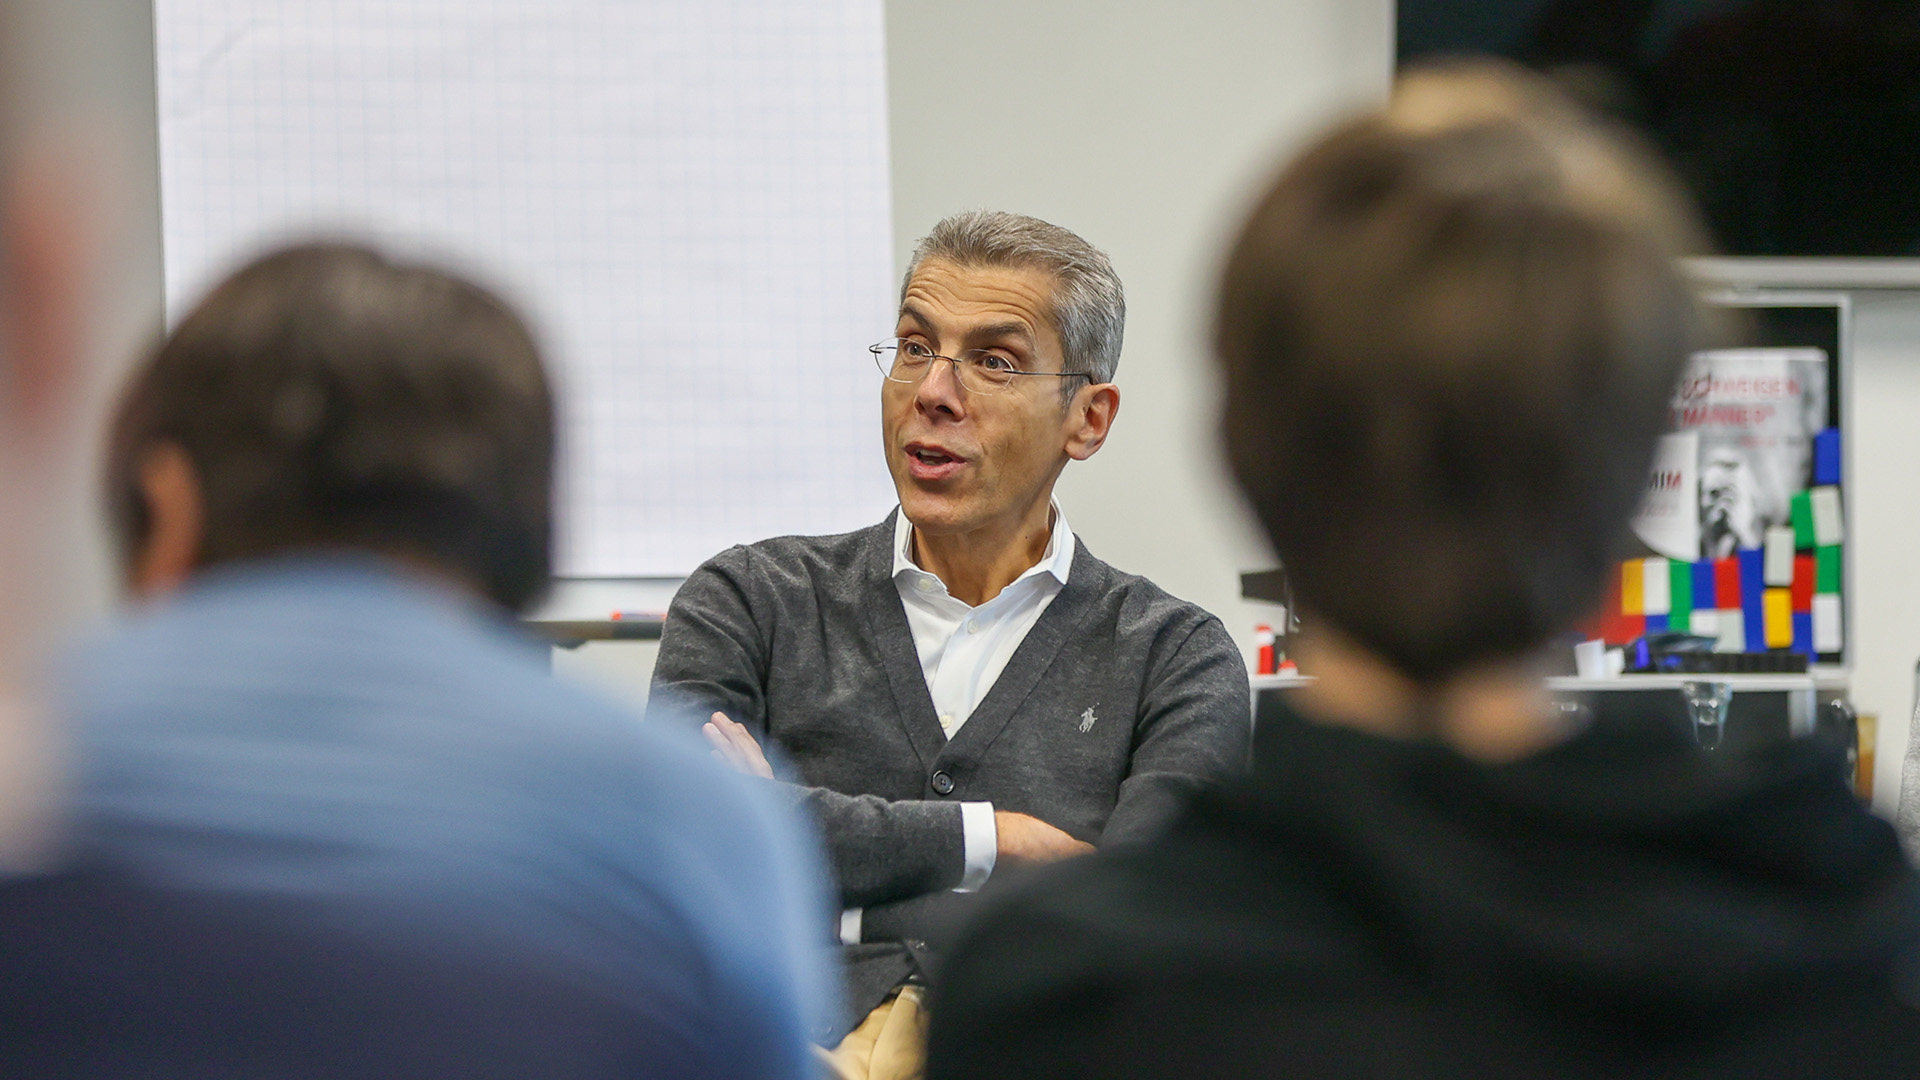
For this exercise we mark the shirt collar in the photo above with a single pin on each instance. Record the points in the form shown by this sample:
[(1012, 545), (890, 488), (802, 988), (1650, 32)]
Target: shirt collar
[(1056, 560)]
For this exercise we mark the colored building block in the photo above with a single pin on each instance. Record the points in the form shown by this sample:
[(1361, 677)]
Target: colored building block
[(1752, 588), (1829, 525), (1656, 588), (1803, 633), (1802, 511), (1778, 566), (1633, 587), (1828, 636), (1826, 457), (1777, 618), (1680, 597), (1613, 625), (1618, 629), (1704, 596), (1726, 582), (1732, 625), (1826, 570), (1802, 589)]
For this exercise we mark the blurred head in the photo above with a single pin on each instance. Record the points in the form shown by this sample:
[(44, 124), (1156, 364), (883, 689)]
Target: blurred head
[(328, 397), (1025, 296), (44, 276), (1450, 333)]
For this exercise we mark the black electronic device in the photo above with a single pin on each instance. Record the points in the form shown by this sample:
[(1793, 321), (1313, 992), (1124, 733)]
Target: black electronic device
[(1796, 123)]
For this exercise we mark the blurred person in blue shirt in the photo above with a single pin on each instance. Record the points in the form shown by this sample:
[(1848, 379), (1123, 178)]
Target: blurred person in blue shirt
[(110, 971), (331, 485)]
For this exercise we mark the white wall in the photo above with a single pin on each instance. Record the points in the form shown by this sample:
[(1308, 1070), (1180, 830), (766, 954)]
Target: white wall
[(1885, 494), (1145, 127)]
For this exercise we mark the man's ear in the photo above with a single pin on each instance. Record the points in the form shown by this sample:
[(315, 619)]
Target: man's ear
[(176, 520), (1089, 419)]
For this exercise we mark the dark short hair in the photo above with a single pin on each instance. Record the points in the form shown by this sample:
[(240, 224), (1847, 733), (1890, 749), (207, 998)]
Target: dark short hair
[(1450, 334), (331, 397)]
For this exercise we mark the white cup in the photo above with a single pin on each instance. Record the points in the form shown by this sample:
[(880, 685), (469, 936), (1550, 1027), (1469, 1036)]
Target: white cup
[(1590, 659)]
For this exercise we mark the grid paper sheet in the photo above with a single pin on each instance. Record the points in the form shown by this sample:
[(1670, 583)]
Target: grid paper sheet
[(689, 198)]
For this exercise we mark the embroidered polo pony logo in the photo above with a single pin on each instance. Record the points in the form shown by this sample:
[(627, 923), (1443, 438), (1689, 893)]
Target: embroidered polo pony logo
[(1087, 720)]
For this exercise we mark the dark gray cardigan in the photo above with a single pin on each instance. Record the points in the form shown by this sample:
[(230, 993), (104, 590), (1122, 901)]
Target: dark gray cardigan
[(804, 640)]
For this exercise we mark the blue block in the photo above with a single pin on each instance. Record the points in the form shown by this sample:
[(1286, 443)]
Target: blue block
[(1656, 624), (1826, 457), (1803, 633), (1753, 586), (1703, 598)]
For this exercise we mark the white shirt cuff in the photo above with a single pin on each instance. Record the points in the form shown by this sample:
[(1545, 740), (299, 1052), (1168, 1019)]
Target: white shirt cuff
[(850, 925), (982, 844)]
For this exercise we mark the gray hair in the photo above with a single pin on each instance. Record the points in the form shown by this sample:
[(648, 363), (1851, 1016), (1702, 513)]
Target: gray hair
[(1089, 305)]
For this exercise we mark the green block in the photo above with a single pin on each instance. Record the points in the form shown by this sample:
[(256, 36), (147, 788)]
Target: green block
[(1680, 587), (1826, 569), (1803, 535)]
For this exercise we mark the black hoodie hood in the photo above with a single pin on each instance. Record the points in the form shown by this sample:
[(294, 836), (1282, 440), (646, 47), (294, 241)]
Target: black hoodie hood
[(1622, 874)]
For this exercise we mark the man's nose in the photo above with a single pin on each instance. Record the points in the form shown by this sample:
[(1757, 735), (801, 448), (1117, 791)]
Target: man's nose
[(940, 389)]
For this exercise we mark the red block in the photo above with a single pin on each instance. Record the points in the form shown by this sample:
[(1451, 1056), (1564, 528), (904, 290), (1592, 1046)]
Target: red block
[(1803, 574), (1726, 581), (1619, 629), (1608, 623)]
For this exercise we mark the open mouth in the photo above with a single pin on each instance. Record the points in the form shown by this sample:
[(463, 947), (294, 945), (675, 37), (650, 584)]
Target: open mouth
[(932, 462)]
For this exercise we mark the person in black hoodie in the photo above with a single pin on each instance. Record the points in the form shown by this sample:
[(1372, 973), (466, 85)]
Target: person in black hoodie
[(1450, 333)]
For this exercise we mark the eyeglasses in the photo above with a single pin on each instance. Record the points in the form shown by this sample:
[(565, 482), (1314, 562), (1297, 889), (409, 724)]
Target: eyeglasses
[(981, 371)]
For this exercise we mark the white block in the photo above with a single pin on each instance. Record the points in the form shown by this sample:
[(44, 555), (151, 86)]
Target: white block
[(1704, 624), (1779, 556), (1828, 526), (1828, 637), (1657, 592), (1733, 630)]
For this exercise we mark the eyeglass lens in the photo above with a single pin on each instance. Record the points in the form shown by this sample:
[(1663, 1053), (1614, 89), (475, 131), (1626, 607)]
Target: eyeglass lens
[(979, 370)]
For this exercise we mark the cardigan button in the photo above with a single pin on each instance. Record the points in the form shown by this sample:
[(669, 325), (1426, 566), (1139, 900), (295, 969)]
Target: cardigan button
[(942, 783)]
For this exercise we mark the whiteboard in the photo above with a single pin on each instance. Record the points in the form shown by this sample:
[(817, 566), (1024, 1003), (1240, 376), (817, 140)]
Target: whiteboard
[(689, 198)]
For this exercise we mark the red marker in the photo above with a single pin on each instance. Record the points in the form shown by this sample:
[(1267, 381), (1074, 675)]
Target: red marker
[(1263, 637)]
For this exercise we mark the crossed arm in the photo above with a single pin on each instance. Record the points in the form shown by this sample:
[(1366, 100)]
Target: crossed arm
[(715, 661), (1020, 838)]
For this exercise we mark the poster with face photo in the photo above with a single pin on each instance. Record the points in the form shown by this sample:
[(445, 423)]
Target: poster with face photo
[(1669, 516), (1753, 414)]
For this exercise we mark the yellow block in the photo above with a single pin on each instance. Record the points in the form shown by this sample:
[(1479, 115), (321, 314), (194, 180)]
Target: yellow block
[(1776, 607), (1633, 587)]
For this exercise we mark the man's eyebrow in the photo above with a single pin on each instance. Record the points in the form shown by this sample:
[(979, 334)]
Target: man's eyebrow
[(1006, 329), (1012, 329)]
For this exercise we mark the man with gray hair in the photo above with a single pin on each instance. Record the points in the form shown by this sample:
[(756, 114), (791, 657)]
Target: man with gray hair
[(962, 688)]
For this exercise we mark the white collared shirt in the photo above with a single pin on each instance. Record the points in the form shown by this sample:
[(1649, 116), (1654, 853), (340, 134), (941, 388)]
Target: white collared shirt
[(963, 649)]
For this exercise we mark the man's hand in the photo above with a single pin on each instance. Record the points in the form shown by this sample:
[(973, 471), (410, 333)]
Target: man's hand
[(1026, 839), (734, 745)]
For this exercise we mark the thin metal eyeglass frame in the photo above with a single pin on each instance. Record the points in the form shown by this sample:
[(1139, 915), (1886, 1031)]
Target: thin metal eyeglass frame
[(893, 345)]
